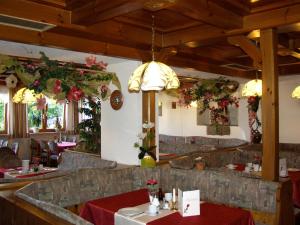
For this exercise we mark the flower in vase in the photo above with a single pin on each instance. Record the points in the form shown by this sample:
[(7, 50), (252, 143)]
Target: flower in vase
[(146, 138), (152, 188)]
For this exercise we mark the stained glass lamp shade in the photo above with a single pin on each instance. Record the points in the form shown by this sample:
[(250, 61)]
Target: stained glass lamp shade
[(296, 93), (252, 88)]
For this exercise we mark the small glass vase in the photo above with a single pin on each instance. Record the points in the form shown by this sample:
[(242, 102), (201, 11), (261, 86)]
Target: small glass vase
[(148, 162)]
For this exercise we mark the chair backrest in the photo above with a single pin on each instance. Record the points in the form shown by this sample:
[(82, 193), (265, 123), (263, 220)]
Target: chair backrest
[(1, 141), (64, 138), (43, 145), (4, 143), (71, 139), (52, 146), (15, 147)]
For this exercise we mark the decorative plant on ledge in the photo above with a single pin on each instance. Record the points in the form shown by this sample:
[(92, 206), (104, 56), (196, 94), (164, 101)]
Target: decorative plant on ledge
[(147, 154), (254, 123), (214, 95), (61, 81), (90, 129)]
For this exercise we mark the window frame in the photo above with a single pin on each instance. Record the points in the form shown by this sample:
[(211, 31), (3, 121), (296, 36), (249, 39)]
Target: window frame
[(44, 128), (5, 131)]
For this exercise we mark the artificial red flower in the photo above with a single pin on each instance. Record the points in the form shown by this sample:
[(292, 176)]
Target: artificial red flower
[(57, 87), (75, 94), (223, 103), (90, 61), (102, 65), (81, 72), (151, 182), (251, 99), (40, 103), (36, 83)]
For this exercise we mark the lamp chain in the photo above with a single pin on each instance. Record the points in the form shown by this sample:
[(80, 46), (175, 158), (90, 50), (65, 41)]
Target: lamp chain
[(153, 38)]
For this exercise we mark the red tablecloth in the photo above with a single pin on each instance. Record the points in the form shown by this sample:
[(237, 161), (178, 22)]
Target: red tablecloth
[(3, 170), (240, 167), (295, 178), (34, 174), (101, 212)]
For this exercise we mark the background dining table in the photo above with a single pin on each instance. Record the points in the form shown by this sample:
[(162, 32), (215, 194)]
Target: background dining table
[(64, 145), (101, 212)]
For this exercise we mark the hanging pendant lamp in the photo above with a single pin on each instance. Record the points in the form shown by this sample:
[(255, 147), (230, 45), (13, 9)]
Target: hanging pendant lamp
[(153, 76), (252, 88), (296, 92), (24, 96)]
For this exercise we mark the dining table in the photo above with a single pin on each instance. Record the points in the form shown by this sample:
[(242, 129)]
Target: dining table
[(104, 211), (293, 174), (17, 172), (61, 146)]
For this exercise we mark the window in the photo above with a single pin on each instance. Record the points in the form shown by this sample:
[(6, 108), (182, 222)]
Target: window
[(52, 117), (3, 112)]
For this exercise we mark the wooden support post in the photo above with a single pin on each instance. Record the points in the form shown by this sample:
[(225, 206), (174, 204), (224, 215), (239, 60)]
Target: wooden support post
[(148, 105), (270, 130)]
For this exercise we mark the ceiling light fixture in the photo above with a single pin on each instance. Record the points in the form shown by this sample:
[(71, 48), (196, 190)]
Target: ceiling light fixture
[(153, 76), (253, 88), (25, 96), (296, 92)]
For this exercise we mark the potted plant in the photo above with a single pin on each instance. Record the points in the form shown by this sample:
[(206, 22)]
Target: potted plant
[(90, 128), (35, 119), (147, 154)]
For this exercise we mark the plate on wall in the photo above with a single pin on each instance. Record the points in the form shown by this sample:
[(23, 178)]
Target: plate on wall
[(116, 100)]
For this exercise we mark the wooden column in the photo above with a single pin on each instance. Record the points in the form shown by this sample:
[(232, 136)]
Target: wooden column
[(148, 105), (270, 130)]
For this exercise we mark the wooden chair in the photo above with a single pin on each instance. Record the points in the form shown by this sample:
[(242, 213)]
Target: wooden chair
[(71, 139), (53, 153), (44, 152), (15, 147), (4, 143)]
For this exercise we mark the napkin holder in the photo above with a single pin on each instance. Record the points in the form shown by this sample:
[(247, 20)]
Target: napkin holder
[(189, 203)]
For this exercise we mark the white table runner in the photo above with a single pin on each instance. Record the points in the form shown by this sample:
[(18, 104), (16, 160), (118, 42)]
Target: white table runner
[(141, 219)]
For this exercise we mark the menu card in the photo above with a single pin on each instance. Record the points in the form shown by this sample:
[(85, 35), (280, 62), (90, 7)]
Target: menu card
[(283, 168), (189, 203)]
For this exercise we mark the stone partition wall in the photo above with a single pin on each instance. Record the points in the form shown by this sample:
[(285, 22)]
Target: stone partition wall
[(88, 184), (71, 160), (190, 144), (226, 188)]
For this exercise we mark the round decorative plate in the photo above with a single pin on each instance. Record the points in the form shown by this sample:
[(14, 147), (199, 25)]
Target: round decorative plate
[(116, 100)]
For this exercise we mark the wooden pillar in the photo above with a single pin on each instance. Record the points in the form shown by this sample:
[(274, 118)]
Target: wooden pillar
[(148, 104), (270, 130)]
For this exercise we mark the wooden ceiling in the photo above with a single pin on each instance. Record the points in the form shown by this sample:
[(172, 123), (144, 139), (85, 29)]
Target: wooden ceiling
[(207, 35)]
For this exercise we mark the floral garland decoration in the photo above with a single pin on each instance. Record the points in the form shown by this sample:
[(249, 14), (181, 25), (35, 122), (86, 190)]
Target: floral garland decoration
[(254, 123), (213, 94), (60, 81)]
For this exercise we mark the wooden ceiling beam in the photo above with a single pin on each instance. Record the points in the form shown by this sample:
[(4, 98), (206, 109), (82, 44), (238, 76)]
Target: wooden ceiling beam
[(89, 17), (248, 47), (208, 12), (51, 39), (64, 41), (115, 32), (34, 11), (273, 18), (200, 66)]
